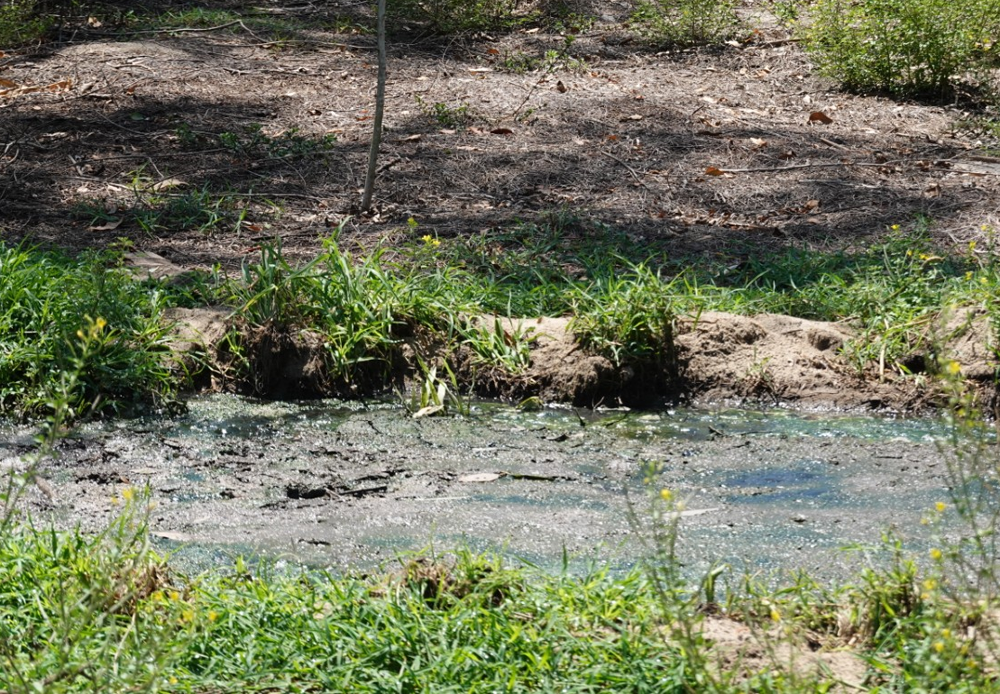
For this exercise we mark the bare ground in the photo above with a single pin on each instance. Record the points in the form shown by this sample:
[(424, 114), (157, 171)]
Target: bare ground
[(712, 155)]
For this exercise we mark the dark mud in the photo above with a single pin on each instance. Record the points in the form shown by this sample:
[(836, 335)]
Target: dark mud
[(350, 487)]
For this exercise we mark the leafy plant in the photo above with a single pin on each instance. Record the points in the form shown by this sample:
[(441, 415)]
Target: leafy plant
[(930, 48)]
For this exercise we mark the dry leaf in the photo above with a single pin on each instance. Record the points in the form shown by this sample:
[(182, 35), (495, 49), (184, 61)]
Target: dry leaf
[(758, 143), (168, 183), (820, 117), (110, 225), (812, 205), (502, 131), (714, 171), (480, 477), (634, 116), (412, 138), (561, 88), (427, 411), (493, 51), (477, 70), (7, 83)]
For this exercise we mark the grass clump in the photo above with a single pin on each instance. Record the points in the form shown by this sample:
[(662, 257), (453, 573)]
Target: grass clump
[(923, 48), (44, 297), (21, 23)]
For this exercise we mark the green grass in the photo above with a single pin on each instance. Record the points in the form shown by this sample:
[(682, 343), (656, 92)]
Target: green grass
[(79, 612), (44, 299), (365, 310)]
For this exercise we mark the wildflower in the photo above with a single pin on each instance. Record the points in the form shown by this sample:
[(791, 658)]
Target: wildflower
[(212, 615), (175, 596), (972, 246), (895, 227), (938, 646), (172, 680), (968, 275), (426, 238), (954, 368), (775, 615), (666, 494), (946, 633), (940, 506), (187, 615), (936, 554), (128, 493), (930, 584)]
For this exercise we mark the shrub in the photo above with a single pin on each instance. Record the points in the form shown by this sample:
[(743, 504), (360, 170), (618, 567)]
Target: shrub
[(906, 47), (686, 22), (454, 16), (20, 23)]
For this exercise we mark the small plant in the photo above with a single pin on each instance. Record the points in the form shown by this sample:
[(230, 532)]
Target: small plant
[(928, 48), (444, 115), (498, 345), (253, 143), (432, 395), (686, 22)]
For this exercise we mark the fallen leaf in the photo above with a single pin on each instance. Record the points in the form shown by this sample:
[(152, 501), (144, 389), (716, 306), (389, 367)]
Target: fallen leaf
[(477, 70), (932, 191), (820, 117), (480, 477), (561, 88), (634, 116), (7, 83), (502, 131), (412, 138), (758, 143), (493, 51), (812, 205), (168, 183), (714, 171), (427, 411), (110, 225)]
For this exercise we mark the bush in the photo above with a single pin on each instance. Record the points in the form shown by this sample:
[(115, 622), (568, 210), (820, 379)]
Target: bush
[(20, 23), (453, 16), (928, 48), (686, 22)]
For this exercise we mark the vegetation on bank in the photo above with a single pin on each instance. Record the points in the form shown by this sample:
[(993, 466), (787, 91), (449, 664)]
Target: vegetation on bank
[(366, 311)]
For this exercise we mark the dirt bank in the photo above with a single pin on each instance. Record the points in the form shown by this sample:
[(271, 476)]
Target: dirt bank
[(765, 359)]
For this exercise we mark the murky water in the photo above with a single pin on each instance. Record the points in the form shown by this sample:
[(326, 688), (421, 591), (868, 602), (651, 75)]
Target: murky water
[(349, 485)]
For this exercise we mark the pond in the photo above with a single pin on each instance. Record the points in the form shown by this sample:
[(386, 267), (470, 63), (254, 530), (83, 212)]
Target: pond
[(351, 485)]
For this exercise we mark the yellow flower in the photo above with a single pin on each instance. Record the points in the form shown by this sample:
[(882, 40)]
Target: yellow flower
[(930, 584), (175, 596), (666, 494), (938, 646), (972, 245), (100, 323), (936, 554), (187, 615), (128, 493), (954, 368), (426, 238), (173, 680), (940, 506), (212, 615), (968, 275), (775, 615), (895, 227), (946, 633)]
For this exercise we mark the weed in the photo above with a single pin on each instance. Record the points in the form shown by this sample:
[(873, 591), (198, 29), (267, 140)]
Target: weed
[(500, 345), (254, 144), (444, 115), (432, 395)]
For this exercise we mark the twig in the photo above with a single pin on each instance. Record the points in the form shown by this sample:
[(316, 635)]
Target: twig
[(629, 168), (187, 30), (817, 165)]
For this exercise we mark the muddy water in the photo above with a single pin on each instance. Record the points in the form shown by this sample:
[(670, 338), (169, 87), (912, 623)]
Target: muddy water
[(353, 485)]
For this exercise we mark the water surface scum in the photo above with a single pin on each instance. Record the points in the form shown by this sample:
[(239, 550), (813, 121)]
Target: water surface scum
[(351, 485)]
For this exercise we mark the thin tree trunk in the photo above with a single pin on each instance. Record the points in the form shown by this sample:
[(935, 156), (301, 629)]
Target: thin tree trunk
[(366, 201)]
